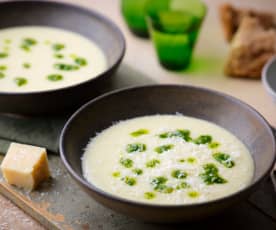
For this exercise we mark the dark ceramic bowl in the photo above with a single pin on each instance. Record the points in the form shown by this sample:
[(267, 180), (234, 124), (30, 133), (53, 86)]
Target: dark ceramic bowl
[(237, 117), (269, 77), (69, 17)]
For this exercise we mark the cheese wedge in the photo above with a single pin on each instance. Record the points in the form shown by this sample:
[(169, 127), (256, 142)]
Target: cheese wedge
[(25, 166)]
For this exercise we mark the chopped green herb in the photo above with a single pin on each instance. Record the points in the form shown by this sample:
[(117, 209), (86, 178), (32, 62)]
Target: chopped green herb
[(65, 67), (163, 148), (183, 185), (58, 46), (128, 163), (27, 43), (137, 171), (149, 195), (58, 56), (179, 174), (81, 61), (136, 147), (7, 41), (224, 159), (139, 132), (193, 194), (2, 75), (116, 174), (184, 134), (3, 55), (55, 77), (203, 139), (152, 163), (26, 65), (191, 160), (129, 180), (181, 160), (213, 145), (20, 81), (211, 175), (159, 185), (3, 67)]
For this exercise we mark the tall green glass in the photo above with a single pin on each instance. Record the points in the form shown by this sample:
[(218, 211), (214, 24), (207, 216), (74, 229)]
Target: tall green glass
[(134, 12), (174, 30)]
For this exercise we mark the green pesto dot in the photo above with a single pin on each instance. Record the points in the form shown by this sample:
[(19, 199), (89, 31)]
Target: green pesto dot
[(193, 194), (116, 174), (163, 148), (58, 46), (129, 180), (127, 163), (224, 159), (152, 163), (181, 160), (191, 160), (137, 171), (183, 185), (149, 195), (29, 41), (81, 61), (203, 139), (213, 145), (55, 77), (182, 133), (3, 67), (179, 174), (58, 56), (2, 75), (73, 56), (65, 67), (136, 147), (159, 184), (211, 175), (139, 132), (3, 55), (26, 48), (26, 65), (20, 81)]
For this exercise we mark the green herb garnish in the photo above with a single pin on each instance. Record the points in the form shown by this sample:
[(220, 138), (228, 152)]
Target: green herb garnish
[(149, 195), (179, 174), (3, 67), (2, 75), (193, 194), (58, 56), (3, 55), (139, 132), (203, 139), (65, 67), (159, 184), (152, 163), (183, 185), (128, 163), (191, 160), (211, 175), (213, 145), (27, 43), (163, 148), (81, 61), (137, 171), (26, 65), (20, 81), (224, 159), (58, 46), (136, 147), (116, 174), (129, 180), (55, 77), (182, 133)]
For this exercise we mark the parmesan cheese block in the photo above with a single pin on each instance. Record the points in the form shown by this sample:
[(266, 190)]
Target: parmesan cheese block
[(25, 166)]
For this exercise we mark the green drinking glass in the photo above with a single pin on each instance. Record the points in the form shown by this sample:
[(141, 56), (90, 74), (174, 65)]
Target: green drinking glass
[(174, 30), (134, 13)]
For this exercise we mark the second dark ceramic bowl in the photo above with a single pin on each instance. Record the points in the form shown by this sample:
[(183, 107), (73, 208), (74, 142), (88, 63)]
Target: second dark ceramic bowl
[(69, 17), (237, 117)]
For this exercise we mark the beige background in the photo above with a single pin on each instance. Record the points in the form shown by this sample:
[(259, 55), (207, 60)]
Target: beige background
[(210, 52)]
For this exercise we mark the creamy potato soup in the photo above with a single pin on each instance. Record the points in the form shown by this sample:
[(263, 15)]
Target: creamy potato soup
[(167, 159), (35, 58)]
